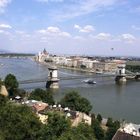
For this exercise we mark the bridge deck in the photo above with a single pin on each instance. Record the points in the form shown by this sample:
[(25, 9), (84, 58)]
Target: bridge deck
[(64, 78), (131, 75)]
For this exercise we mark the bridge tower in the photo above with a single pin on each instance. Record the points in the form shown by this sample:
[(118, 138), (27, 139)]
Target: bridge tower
[(120, 75), (52, 81)]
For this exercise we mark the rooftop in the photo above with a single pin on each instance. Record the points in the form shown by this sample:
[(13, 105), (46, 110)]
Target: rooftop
[(132, 129), (128, 132)]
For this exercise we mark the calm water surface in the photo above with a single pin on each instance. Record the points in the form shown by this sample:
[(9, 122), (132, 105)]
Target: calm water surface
[(107, 98)]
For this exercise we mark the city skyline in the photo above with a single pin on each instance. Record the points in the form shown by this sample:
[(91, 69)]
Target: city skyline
[(91, 27)]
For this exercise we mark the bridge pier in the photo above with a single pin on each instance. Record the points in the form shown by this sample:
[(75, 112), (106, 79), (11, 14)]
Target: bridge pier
[(52, 81), (137, 77), (121, 76)]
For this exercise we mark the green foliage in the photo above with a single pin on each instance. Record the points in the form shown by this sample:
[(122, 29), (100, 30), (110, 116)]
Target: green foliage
[(84, 105), (57, 125), (86, 131), (11, 83), (20, 92), (81, 132), (82, 66), (3, 100), (92, 118), (99, 118), (18, 123), (116, 124), (42, 95), (109, 122), (98, 131), (75, 102), (112, 128), (110, 133)]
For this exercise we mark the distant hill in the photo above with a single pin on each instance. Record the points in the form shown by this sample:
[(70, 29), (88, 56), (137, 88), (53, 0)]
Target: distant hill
[(15, 54), (2, 51), (5, 53)]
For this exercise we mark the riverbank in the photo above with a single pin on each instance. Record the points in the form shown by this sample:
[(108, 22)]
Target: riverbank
[(68, 68), (76, 69)]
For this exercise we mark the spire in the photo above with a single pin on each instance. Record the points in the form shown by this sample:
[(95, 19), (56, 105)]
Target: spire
[(44, 51)]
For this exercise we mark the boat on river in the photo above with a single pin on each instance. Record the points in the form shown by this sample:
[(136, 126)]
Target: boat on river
[(89, 81)]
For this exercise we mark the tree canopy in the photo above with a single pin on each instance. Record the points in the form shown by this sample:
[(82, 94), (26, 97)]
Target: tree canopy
[(56, 126), (3, 100), (75, 102), (113, 126), (98, 131), (18, 123), (81, 132), (11, 83), (42, 95), (99, 118)]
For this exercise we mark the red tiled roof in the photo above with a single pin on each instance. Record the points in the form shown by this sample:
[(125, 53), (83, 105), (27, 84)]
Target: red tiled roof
[(40, 106)]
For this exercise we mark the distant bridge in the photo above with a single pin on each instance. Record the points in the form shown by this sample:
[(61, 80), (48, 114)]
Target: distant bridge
[(132, 75), (66, 78), (129, 75)]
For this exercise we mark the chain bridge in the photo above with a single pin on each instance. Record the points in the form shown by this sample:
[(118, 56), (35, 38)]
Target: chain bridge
[(94, 76), (128, 74)]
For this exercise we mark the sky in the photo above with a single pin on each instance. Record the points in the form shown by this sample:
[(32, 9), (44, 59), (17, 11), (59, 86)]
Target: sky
[(78, 27)]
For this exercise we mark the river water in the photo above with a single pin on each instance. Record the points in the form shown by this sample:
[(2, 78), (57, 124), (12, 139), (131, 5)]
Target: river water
[(107, 98)]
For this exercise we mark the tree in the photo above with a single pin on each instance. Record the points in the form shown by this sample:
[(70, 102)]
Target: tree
[(92, 118), (109, 122), (98, 131), (110, 133), (81, 132), (75, 102), (3, 100), (20, 92), (56, 126), (116, 124), (84, 105), (42, 95), (18, 123), (99, 118), (70, 100), (112, 128), (11, 83), (83, 66), (86, 131)]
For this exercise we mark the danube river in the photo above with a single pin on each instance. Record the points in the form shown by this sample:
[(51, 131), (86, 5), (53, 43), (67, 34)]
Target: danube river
[(107, 98)]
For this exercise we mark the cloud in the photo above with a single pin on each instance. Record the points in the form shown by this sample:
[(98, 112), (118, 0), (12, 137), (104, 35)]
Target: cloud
[(127, 38), (1, 31), (56, 40), (5, 26), (19, 32), (77, 8), (135, 27), (4, 32), (55, 31), (103, 36), (85, 29), (3, 4), (49, 0)]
